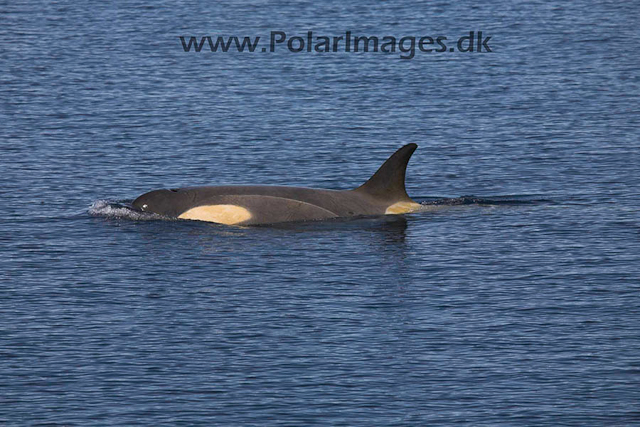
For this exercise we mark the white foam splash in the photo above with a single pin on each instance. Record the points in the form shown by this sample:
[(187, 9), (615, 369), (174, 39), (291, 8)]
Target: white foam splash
[(109, 209)]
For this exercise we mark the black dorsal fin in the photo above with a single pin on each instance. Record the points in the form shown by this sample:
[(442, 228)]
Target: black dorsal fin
[(388, 182)]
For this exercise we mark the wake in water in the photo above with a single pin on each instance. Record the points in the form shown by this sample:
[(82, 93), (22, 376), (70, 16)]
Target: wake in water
[(515, 200)]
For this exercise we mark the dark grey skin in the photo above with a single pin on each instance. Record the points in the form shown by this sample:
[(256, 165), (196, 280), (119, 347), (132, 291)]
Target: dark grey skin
[(384, 193)]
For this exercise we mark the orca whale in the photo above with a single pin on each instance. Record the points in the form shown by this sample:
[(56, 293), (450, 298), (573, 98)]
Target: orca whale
[(383, 194)]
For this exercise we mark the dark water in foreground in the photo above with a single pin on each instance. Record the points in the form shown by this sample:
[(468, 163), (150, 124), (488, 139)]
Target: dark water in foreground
[(518, 305)]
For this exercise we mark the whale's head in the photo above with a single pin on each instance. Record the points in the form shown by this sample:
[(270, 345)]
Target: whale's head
[(162, 202)]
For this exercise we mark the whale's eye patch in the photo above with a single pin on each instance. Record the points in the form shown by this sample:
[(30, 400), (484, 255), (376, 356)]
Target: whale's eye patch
[(144, 207)]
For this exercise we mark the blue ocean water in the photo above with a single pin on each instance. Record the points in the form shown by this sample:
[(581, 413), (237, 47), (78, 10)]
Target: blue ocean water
[(519, 305)]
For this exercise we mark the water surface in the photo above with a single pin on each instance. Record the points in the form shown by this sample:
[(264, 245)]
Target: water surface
[(517, 305)]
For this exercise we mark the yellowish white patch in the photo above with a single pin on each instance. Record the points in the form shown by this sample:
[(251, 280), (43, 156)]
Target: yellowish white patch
[(403, 207), (221, 214)]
